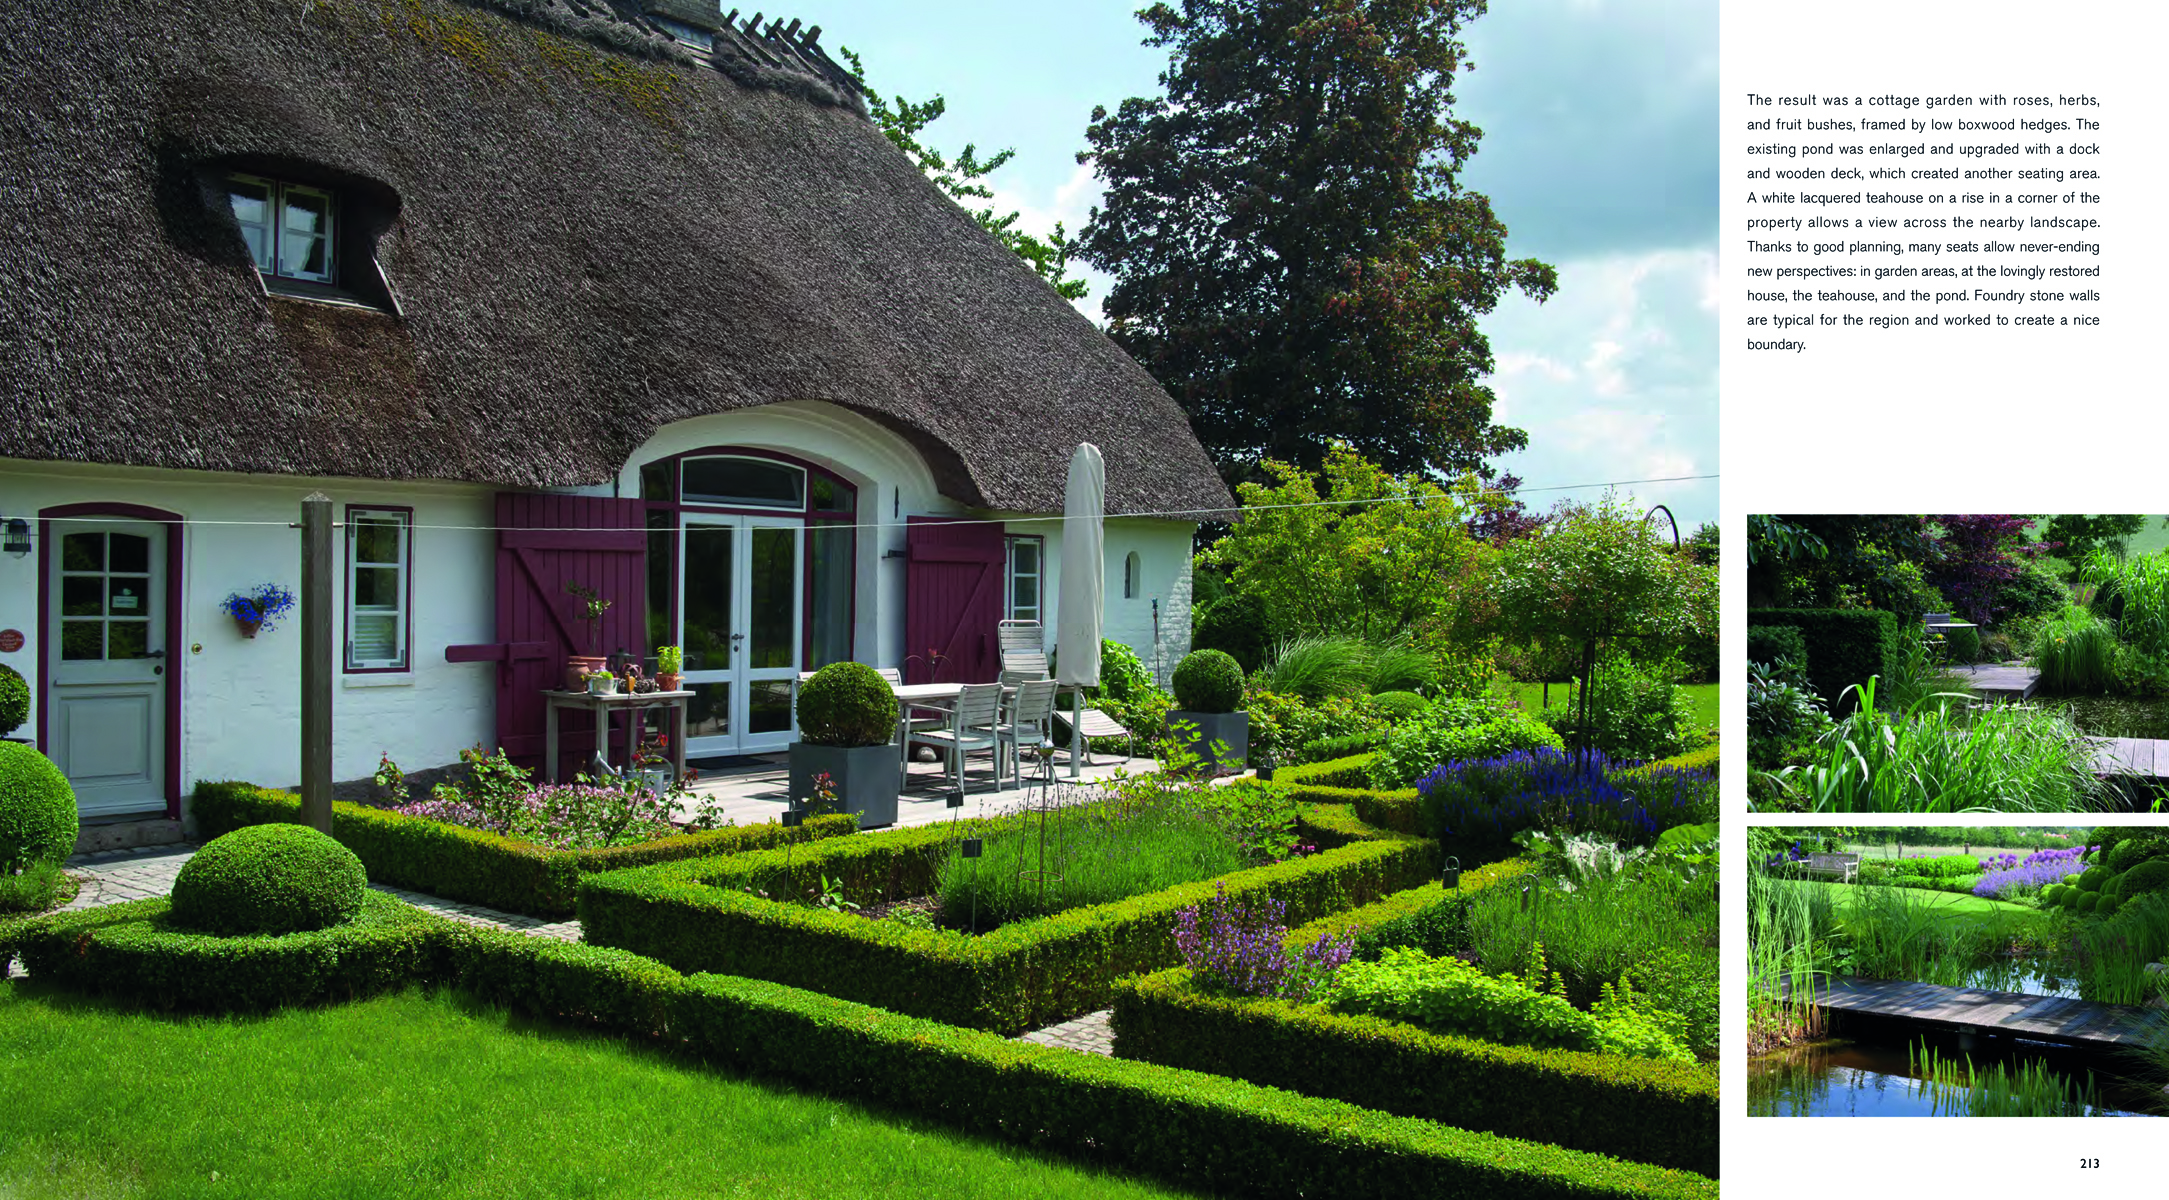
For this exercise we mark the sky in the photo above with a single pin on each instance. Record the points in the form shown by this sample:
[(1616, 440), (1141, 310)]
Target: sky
[(1599, 154)]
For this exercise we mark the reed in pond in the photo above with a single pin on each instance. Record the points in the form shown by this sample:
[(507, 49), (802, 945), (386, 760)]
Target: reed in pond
[(1957, 1088)]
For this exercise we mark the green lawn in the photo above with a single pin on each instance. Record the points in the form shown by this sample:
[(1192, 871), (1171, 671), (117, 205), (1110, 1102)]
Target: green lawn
[(434, 1095), (1957, 903), (1704, 695)]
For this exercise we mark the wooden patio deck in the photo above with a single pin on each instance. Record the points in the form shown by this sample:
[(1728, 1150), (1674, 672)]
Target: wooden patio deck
[(2000, 682), (2079, 1023)]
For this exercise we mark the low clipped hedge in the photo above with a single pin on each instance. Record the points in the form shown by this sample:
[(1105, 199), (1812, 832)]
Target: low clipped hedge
[(1351, 771), (1641, 1109), (1174, 1124), (705, 916), (471, 865), (136, 950)]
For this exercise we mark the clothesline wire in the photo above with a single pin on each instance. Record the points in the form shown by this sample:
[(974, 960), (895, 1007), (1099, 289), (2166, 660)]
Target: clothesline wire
[(1057, 518)]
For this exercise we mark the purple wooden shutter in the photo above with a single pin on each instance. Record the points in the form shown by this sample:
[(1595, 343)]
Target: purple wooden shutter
[(952, 601), (542, 542)]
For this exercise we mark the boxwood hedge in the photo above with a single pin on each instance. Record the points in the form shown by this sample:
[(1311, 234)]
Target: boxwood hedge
[(136, 951), (705, 915), (458, 863), (1641, 1109), (1175, 1124)]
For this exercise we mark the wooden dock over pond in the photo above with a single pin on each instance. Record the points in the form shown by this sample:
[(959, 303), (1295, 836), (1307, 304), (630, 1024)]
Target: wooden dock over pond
[(2080, 1023), (2000, 682)]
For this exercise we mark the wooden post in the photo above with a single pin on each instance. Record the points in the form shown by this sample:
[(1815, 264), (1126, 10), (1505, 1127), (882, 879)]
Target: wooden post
[(316, 665)]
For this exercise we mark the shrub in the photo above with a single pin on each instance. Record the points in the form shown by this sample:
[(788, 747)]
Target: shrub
[(2034, 592), (2107, 904), (2135, 848), (846, 704), (1845, 646), (1448, 995), (37, 809), (269, 879), (140, 950), (2086, 901), (1961, 645), (1632, 714), (1122, 674), (1327, 749), (1772, 644), (2094, 877), (14, 700), (1208, 681), (1455, 731), (2151, 875), (1399, 706), (1235, 625), (1283, 725)]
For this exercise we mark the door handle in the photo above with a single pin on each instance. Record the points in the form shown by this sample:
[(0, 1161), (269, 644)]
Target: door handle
[(154, 654)]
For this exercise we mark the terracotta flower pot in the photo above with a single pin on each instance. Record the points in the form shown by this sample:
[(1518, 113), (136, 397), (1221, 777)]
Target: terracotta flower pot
[(668, 683), (578, 667), (249, 628)]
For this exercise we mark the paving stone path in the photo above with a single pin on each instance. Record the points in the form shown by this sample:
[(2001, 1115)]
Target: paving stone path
[(117, 875)]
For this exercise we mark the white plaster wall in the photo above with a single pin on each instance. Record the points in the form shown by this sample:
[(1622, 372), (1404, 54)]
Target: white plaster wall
[(241, 708), (893, 481), (1163, 550)]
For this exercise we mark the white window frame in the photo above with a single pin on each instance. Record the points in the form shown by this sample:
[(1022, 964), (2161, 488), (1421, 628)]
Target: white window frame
[(1038, 574), (402, 619), (277, 190)]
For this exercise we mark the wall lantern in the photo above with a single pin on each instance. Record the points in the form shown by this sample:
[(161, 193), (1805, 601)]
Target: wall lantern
[(17, 537)]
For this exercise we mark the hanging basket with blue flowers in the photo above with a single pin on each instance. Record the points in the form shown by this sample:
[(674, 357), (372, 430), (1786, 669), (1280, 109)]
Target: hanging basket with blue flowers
[(259, 607)]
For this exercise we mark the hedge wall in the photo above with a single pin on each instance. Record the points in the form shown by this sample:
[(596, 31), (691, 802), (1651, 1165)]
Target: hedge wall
[(1844, 645), (1766, 644), (458, 863), (1223, 1134), (1641, 1109), (703, 916)]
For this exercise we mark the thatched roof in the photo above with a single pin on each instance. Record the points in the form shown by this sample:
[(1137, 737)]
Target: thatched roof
[(589, 230)]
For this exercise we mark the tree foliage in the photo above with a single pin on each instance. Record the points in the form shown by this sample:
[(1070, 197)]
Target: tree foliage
[(1385, 554), (963, 178), (1294, 256), (1598, 573), (1975, 559), (2072, 536)]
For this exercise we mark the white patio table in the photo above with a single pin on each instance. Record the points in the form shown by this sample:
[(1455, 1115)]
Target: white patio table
[(943, 696)]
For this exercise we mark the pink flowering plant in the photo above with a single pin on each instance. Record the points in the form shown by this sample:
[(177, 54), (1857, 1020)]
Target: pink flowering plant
[(1235, 947), (498, 797)]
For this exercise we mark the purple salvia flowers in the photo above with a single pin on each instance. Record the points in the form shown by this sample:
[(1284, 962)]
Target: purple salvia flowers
[(2006, 872)]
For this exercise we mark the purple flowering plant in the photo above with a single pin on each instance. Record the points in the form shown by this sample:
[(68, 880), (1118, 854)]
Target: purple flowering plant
[(2007, 873), (1235, 947)]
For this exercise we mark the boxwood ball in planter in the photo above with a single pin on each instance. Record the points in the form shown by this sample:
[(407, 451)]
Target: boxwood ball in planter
[(847, 729), (1209, 699)]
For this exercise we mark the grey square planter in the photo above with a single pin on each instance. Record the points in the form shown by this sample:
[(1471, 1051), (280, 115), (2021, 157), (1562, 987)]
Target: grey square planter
[(1231, 728), (867, 778)]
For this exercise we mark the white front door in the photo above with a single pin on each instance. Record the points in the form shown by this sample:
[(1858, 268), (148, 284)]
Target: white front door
[(108, 637), (740, 613)]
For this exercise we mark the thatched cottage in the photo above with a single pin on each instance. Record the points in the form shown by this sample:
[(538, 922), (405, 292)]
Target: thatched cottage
[(620, 294)]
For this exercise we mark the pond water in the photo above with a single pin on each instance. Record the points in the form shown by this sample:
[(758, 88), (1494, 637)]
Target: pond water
[(1869, 1076), (2030, 977), (2113, 716)]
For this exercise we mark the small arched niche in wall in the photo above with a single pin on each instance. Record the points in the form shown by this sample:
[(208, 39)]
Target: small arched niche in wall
[(1133, 577)]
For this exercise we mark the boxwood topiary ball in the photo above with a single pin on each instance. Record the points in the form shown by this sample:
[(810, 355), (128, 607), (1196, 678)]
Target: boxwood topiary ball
[(269, 879), (2135, 848), (2151, 875), (2093, 878), (846, 704), (1208, 681), (1399, 706), (2087, 901), (14, 700), (37, 809), (2107, 905), (2052, 895)]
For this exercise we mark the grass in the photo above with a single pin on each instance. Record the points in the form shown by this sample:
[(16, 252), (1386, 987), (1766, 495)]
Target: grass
[(1949, 904), (1101, 854), (39, 887), (1704, 695), (435, 1095), (2076, 652)]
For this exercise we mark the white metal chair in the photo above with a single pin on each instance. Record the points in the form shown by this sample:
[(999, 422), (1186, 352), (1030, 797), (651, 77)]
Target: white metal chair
[(971, 728), (1027, 718), (1024, 651)]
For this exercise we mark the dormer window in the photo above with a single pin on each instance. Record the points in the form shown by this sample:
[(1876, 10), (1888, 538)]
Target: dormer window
[(288, 227)]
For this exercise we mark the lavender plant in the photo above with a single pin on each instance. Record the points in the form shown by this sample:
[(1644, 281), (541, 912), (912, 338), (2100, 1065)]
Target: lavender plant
[(1234, 947), (2005, 874)]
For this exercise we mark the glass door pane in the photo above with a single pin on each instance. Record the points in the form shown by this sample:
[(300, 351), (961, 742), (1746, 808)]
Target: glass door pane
[(707, 606), (773, 605)]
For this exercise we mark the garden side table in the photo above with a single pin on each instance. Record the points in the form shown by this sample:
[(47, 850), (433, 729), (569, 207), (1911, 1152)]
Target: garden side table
[(603, 707)]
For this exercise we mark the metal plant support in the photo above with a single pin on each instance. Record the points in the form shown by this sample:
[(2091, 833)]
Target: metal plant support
[(1043, 806)]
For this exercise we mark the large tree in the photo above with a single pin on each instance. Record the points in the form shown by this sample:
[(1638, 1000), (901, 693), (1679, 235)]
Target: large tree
[(1294, 256)]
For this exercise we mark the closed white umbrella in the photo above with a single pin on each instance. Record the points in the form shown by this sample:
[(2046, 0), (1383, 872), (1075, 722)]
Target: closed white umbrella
[(1084, 586)]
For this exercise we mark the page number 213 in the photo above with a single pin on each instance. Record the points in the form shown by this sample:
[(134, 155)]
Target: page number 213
[(2086, 1163)]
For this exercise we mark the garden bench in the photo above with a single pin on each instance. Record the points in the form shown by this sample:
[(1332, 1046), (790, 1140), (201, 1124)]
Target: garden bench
[(1845, 866)]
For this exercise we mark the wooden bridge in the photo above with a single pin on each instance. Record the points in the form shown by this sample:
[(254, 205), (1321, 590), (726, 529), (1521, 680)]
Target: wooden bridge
[(2000, 682), (2080, 1023), (2141, 761)]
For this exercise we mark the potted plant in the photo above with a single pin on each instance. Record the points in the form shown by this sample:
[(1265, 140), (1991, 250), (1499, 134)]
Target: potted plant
[(669, 664), (579, 666), (1209, 720), (847, 731), (601, 683), (259, 608)]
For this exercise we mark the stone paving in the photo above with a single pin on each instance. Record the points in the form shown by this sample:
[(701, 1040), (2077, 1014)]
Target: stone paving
[(115, 876)]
